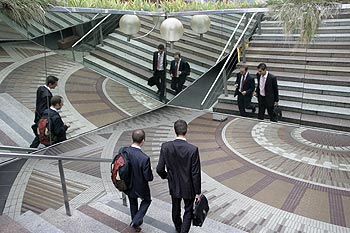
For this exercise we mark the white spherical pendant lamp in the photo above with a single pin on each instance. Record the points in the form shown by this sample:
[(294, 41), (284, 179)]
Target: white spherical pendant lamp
[(171, 30), (200, 24), (129, 25)]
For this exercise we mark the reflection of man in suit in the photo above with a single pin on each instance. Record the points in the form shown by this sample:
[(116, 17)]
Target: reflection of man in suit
[(142, 174), (159, 69), (57, 127), (43, 101), (179, 70), (183, 171), (266, 91), (245, 86)]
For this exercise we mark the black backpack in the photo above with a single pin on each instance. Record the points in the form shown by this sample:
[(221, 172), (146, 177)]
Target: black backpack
[(121, 171)]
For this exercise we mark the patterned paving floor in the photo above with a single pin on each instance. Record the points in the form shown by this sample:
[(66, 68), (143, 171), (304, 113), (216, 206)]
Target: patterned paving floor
[(250, 186)]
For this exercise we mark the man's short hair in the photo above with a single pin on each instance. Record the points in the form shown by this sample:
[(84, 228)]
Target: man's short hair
[(138, 136), (161, 46), (262, 66), (56, 99), (177, 53), (51, 80), (180, 127), (245, 66)]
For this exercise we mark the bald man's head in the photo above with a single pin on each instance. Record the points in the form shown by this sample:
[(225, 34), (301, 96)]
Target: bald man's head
[(138, 136)]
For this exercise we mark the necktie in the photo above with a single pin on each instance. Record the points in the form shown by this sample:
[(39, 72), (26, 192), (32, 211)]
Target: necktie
[(158, 63), (263, 81), (242, 84), (176, 67)]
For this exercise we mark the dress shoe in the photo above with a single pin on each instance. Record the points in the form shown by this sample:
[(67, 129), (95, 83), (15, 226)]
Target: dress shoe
[(137, 229)]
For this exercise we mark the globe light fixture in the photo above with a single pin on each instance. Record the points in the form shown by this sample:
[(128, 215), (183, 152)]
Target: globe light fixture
[(200, 24), (129, 25), (171, 30)]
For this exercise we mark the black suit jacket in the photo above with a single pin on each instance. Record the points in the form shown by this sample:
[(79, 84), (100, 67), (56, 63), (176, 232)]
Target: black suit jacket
[(183, 170), (271, 89), (184, 67), (249, 85), (43, 99), (155, 60), (142, 173), (57, 127)]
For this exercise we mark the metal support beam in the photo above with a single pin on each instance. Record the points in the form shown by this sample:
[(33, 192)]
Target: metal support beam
[(64, 188), (101, 35), (224, 78)]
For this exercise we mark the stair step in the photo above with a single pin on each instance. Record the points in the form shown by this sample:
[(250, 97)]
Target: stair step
[(323, 29), (311, 109), (293, 117), (78, 222), (9, 225), (122, 76), (299, 60), (124, 219), (329, 53), (309, 69), (319, 89), (150, 49), (295, 44), (317, 37), (144, 61), (35, 223)]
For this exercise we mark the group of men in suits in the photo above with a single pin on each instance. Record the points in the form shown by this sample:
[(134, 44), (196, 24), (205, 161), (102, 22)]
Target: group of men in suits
[(47, 106), (266, 91), (179, 163), (179, 70)]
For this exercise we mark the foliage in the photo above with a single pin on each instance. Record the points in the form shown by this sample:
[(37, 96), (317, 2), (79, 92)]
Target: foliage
[(21, 11), (302, 16)]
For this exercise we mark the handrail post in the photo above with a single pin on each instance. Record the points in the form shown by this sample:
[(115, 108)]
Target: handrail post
[(64, 188), (259, 23), (224, 78), (101, 35)]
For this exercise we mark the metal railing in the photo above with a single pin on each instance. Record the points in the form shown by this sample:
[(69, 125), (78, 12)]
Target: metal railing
[(61, 171), (230, 39), (225, 70)]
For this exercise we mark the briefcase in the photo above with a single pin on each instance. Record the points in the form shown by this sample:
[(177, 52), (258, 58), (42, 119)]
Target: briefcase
[(200, 211), (151, 81), (277, 113)]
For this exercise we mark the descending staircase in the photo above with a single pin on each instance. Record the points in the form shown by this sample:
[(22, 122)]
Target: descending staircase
[(314, 83), (104, 215), (131, 62), (54, 21)]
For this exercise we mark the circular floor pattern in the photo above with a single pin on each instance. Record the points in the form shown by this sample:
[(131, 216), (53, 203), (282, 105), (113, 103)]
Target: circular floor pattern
[(269, 137), (322, 139)]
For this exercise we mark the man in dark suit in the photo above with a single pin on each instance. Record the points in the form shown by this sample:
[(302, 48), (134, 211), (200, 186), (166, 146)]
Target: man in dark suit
[(56, 127), (43, 101), (142, 174), (179, 70), (159, 70), (183, 171), (245, 86), (266, 91)]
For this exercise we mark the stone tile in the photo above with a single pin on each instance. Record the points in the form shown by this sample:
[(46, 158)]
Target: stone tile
[(220, 168), (243, 181), (346, 204), (314, 204), (274, 194)]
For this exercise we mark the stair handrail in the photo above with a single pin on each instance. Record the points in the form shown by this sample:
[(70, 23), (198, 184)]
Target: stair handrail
[(91, 30), (228, 59), (16, 148), (230, 39), (60, 168)]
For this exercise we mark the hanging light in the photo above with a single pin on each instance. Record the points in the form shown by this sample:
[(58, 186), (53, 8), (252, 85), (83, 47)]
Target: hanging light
[(200, 24), (129, 25), (171, 30)]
